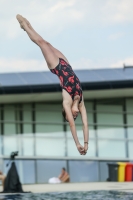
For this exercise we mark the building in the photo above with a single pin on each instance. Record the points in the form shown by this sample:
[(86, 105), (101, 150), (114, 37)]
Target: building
[(31, 123)]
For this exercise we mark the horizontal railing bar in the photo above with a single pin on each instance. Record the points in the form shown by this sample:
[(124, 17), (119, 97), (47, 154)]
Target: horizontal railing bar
[(61, 137), (49, 110), (63, 123), (68, 158), (59, 111)]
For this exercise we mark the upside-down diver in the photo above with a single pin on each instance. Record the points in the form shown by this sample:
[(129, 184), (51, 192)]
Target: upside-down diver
[(73, 102)]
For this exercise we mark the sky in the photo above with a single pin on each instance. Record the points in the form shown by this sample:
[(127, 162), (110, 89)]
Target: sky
[(92, 34)]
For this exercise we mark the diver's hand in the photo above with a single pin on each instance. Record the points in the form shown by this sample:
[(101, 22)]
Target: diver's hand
[(80, 149)]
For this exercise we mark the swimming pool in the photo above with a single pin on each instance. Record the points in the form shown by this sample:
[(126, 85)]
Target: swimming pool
[(101, 195)]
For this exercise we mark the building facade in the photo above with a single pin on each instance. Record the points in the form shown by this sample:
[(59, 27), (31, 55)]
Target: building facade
[(31, 123)]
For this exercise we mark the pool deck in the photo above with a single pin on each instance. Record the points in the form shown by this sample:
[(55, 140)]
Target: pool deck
[(67, 187)]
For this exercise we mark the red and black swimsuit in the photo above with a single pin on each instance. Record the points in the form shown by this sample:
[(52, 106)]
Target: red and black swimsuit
[(68, 79)]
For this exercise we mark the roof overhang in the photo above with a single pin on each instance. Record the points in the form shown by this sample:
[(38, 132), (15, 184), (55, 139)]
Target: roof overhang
[(57, 96), (101, 85), (44, 86)]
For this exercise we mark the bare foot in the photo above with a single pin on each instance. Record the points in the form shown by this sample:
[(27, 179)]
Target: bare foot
[(22, 21)]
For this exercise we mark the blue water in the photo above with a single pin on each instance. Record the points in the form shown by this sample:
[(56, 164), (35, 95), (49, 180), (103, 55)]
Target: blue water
[(101, 195)]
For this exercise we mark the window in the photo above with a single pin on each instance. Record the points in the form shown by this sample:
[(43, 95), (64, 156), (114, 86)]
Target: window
[(0, 120), (47, 169), (27, 119), (0, 145), (46, 146), (110, 130), (83, 171), (90, 115), (50, 137), (28, 146), (109, 115), (111, 133), (129, 107), (130, 132), (45, 115), (9, 144), (130, 149), (9, 120), (111, 149), (27, 171)]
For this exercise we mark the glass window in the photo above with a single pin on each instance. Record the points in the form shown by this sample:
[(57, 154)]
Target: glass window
[(19, 143), (0, 134), (49, 130), (9, 144), (83, 171), (89, 110), (90, 118), (89, 106), (48, 113), (129, 105), (47, 169), (112, 105), (28, 146), (111, 149), (130, 132), (18, 118), (1, 145), (109, 119), (46, 146), (130, 119), (27, 119), (92, 132), (28, 171), (129, 108), (109, 114), (9, 118), (111, 132), (130, 149), (0, 120)]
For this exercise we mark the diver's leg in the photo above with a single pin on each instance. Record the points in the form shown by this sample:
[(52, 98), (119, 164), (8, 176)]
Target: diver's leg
[(51, 58), (58, 53)]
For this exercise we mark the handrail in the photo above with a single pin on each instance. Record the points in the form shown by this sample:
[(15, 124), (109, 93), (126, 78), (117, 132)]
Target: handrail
[(59, 137), (65, 123), (67, 158), (88, 111)]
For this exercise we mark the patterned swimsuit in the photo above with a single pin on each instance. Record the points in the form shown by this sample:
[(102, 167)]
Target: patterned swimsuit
[(68, 79)]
